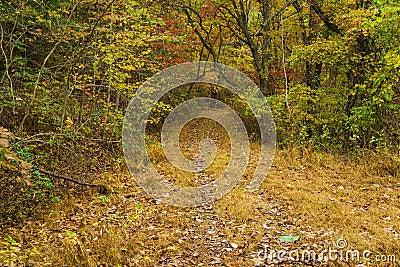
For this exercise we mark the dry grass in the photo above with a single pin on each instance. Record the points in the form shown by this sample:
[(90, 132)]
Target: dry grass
[(357, 199), (319, 196)]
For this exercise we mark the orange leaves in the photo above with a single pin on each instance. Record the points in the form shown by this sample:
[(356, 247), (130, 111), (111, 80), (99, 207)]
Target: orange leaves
[(8, 159), (4, 142), (208, 9)]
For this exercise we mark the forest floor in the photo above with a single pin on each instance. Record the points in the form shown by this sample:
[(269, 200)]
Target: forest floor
[(310, 202)]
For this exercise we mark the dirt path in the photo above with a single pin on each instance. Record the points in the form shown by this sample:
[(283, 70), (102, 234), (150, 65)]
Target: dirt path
[(314, 197)]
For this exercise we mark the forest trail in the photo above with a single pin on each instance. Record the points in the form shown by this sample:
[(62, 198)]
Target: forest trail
[(313, 197)]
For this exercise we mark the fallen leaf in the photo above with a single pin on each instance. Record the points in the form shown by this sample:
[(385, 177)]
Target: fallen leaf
[(289, 238)]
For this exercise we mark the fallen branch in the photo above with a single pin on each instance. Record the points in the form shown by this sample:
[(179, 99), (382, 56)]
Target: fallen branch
[(68, 179)]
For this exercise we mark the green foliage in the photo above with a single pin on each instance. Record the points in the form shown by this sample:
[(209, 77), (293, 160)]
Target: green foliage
[(353, 101), (104, 198), (65, 73), (22, 187)]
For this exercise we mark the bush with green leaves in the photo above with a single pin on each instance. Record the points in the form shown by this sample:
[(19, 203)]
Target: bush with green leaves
[(22, 188)]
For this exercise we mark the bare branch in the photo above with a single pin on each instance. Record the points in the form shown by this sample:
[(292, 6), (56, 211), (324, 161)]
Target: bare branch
[(265, 23), (285, 74)]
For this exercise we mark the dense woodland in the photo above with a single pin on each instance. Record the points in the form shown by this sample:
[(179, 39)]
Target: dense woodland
[(330, 71)]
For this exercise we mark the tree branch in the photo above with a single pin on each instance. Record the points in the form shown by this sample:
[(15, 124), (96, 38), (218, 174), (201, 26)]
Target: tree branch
[(332, 26)]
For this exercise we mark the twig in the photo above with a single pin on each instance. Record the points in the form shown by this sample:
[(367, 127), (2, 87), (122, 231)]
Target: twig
[(36, 135)]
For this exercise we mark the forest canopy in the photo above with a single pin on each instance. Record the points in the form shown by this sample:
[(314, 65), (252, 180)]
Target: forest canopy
[(329, 69)]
